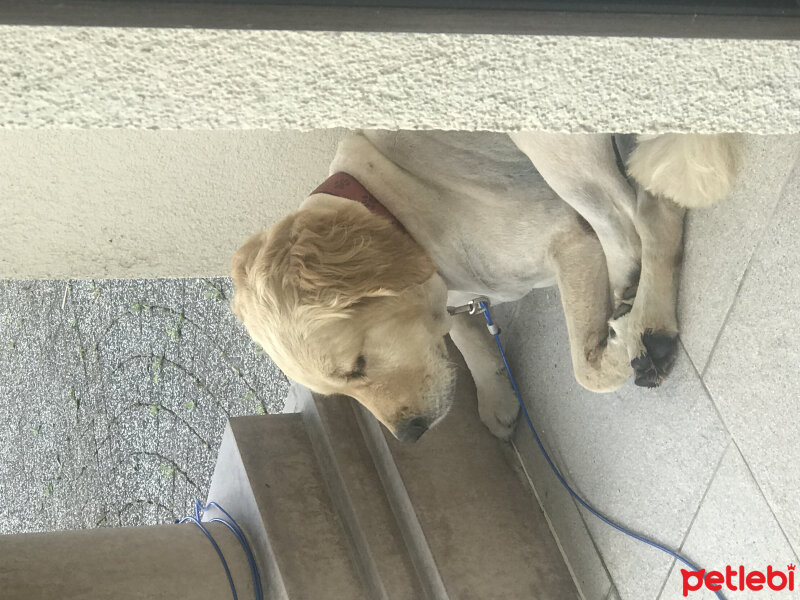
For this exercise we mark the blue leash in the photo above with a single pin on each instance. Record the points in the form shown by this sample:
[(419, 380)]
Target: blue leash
[(231, 524), (495, 332)]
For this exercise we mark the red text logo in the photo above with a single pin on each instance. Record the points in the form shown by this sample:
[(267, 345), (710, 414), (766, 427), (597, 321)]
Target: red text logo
[(739, 579)]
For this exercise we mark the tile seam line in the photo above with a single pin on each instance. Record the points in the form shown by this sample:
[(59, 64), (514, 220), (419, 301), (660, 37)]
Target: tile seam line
[(580, 510), (706, 390), (552, 528), (768, 224), (699, 505), (508, 329), (747, 465), (766, 501), (612, 590), (696, 514), (795, 167)]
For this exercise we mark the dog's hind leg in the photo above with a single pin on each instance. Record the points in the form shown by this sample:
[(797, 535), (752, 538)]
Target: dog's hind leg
[(583, 171), (650, 329), (600, 360), (673, 171), (637, 231)]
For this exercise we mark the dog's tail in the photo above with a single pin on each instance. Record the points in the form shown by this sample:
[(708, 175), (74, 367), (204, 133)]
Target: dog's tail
[(693, 170)]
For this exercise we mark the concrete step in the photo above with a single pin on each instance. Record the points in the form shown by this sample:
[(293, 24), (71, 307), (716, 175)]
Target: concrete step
[(484, 528), (267, 476), (337, 508), (460, 503), (359, 495)]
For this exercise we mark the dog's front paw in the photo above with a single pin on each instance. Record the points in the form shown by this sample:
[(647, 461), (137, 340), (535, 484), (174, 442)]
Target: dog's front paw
[(655, 363), (652, 353), (498, 406)]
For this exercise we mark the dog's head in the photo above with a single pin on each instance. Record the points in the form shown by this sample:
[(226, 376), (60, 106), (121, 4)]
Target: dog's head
[(346, 303)]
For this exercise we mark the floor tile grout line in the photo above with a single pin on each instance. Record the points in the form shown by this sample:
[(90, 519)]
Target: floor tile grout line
[(707, 391), (683, 541), (766, 501), (767, 225), (734, 300), (550, 524), (745, 461), (598, 553), (702, 375), (696, 514), (595, 545)]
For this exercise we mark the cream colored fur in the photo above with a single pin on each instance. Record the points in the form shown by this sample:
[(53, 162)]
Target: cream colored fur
[(693, 170), (328, 285), (346, 303)]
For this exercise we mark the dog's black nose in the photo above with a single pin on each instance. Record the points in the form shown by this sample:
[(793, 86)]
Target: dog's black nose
[(412, 430)]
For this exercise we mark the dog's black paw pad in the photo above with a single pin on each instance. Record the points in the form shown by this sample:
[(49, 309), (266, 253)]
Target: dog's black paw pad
[(642, 363), (648, 380), (661, 348), (656, 363)]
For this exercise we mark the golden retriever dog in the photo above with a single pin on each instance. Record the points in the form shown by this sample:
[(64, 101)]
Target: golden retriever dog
[(350, 293)]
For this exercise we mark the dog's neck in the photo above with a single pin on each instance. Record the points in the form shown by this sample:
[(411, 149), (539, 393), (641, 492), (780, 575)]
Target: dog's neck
[(347, 186)]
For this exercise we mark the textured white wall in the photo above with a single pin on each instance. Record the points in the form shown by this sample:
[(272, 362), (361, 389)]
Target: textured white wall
[(132, 202), (124, 203), (157, 78)]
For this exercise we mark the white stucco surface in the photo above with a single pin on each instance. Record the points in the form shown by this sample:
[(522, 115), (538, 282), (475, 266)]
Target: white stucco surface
[(204, 79), (129, 204)]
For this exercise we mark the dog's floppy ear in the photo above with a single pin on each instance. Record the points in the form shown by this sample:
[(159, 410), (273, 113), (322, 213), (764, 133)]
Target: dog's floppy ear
[(330, 258), (243, 265)]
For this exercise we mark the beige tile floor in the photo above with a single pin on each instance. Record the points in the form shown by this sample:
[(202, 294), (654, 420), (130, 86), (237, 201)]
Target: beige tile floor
[(708, 463)]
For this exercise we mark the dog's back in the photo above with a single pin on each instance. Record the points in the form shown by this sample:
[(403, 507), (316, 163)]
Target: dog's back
[(457, 160)]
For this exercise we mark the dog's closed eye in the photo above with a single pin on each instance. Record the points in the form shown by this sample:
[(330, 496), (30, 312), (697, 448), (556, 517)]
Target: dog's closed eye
[(358, 371)]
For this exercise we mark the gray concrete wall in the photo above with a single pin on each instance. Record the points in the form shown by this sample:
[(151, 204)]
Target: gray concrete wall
[(126, 204), (161, 78), (129, 563)]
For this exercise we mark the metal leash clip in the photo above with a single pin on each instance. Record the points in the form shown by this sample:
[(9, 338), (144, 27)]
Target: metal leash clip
[(473, 307)]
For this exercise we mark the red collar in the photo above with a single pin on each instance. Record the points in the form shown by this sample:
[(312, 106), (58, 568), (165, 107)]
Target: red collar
[(346, 186)]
